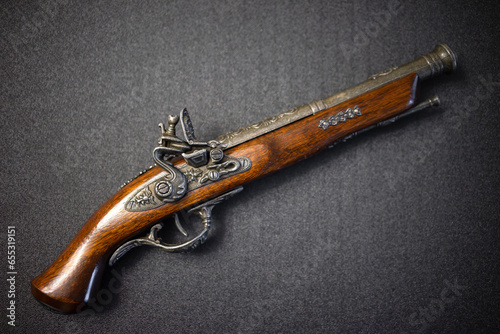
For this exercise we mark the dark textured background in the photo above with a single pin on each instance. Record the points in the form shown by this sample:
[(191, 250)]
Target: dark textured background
[(363, 238)]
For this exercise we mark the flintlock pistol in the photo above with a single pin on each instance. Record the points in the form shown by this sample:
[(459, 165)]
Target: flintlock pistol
[(190, 176)]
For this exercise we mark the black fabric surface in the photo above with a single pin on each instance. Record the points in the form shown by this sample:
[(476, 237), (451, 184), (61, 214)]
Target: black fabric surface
[(395, 231)]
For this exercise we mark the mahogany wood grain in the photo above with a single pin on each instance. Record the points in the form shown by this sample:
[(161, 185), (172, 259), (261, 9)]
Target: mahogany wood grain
[(74, 277)]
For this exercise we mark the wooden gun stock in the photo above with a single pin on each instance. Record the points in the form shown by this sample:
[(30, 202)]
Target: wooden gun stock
[(74, 277)]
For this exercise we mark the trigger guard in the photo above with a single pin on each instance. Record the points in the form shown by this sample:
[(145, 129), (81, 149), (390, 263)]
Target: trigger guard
[(204, 211), (153, 240)]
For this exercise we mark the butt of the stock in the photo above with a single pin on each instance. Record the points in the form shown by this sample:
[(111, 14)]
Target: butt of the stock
[(59, 295), (74, 277)]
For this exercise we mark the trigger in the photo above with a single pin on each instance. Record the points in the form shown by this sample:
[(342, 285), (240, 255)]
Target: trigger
[(179, 226)]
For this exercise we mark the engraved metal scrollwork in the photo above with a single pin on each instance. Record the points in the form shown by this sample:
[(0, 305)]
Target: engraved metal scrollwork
[(383, 73), (144, 197), (249, 130), (197, 177), (341, 116)]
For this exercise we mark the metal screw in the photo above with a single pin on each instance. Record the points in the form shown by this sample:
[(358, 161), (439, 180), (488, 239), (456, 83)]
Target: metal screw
[(213, 175), (163, 188), (216, 154)]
